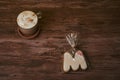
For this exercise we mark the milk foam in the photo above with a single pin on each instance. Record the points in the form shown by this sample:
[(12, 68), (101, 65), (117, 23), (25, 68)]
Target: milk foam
[(27, 19)]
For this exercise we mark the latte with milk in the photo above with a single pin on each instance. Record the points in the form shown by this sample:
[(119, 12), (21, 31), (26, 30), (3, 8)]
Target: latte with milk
[(27, 19)]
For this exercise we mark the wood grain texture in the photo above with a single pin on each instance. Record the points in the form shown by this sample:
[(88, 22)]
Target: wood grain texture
[(97, 21)]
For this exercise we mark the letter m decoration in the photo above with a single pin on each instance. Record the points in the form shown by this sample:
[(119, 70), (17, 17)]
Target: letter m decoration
[(74, 62)]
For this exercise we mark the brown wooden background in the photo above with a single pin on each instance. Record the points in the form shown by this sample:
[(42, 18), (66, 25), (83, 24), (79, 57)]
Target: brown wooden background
[(97, 21)]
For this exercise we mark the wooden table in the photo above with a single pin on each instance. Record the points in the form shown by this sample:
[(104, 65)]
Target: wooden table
[(97, 21)]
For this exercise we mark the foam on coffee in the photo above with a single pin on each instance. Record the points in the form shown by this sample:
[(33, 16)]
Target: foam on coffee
[(27, 19)]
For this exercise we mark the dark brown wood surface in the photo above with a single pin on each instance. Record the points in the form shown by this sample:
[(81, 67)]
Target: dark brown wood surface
[(97, 21)]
